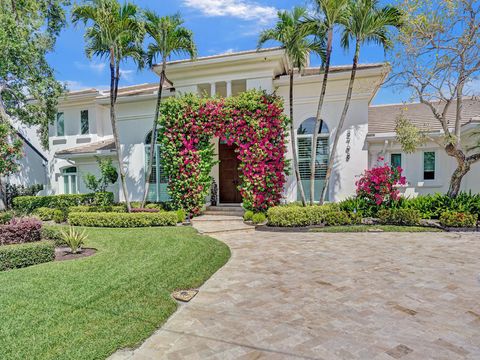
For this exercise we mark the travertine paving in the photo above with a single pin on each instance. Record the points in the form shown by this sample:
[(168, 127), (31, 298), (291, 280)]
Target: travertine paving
[(332, 296)]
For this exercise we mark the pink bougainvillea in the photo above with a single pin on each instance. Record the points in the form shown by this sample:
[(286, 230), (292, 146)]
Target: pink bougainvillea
[(380, 184), (254, 121)]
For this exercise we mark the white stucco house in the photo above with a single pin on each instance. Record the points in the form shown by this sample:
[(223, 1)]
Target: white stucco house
[(82, 130)]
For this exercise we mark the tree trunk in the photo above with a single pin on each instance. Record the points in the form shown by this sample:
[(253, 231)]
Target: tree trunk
[(318, 121), (294, 144), (153, 140), (113, 120), (341, 122), (457, 177)]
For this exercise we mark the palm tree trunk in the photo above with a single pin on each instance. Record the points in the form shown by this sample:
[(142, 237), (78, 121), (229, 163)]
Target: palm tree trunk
[(342, 121), (113, 120), (154, 134), (319, 116), (294, 145)]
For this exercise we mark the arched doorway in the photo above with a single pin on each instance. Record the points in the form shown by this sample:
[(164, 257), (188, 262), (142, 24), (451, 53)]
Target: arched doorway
[(229, 174), (158, 190), (304, 147)]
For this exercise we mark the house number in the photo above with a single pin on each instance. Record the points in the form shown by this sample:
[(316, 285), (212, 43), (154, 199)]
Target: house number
[(347, 150)]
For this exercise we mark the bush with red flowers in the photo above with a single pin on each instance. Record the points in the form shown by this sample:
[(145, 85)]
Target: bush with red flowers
[(254, 121), (379, 185), (19, 231)]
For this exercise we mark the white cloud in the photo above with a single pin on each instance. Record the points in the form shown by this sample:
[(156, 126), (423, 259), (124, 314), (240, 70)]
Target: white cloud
[(74, 85), (94, 66), (242, 9), (127, 74)]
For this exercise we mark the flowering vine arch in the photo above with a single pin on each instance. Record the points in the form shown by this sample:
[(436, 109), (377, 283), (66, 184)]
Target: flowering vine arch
[(253, 120)]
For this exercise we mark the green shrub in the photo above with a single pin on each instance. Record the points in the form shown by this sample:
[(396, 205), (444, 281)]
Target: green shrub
[(360, 206), (297, 216), (59, 216), (52, 233), (287, 216), (103, 198), (181, 215), (110, 208), (154, 206), (45, 214), (433, 206), (248, 215), (337, 218), (22, 255), (5, 217), (407, 217), (458, 219), (27, 204), (123, 220), (74, 239), (259, 218)]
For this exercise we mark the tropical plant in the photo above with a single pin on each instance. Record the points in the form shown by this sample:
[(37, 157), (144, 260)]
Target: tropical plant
[(291, 31), (74, 239), (329, 13), (108, 175), (365, 23), (379, 185), (115, 33), (169, 38), (10, 154)]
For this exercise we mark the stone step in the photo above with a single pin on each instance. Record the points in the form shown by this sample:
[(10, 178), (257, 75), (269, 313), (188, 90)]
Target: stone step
[(219, 223), (217, 217), (223, 213)]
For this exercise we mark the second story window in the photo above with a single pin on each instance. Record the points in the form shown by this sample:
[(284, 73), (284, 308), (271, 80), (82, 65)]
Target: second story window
[(429, 165), (396, 160), (60, 124), (84, 125)]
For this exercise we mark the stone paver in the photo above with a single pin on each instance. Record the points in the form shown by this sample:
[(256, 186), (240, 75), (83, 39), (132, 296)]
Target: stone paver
[(332, 296)]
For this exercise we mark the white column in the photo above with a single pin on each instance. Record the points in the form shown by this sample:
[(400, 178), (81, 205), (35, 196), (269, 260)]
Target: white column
[(229, 88), (213, 89)]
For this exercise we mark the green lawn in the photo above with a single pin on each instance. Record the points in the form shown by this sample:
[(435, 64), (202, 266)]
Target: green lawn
[(368, 228), (88, 308)]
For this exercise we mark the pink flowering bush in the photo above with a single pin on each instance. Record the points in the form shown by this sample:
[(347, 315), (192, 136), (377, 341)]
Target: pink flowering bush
[(254, 121), (379, 185)]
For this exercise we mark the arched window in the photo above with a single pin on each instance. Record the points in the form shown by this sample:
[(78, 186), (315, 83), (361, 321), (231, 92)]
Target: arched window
[(70, 185), (158, 179), (304, 143)]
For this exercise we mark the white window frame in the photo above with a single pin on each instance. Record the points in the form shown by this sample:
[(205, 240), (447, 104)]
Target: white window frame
[(56, 124), (72, 178)]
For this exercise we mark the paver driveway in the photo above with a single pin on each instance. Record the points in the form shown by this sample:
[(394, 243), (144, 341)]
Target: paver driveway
[(333, 296)]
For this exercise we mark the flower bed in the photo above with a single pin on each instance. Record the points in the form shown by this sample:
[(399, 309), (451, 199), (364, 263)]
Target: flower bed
[(123, 220)]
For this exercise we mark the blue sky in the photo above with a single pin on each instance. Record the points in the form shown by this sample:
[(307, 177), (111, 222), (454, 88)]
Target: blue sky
[(219, 26)]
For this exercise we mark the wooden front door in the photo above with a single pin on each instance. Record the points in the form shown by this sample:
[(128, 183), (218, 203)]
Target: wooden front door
[(229, 174)]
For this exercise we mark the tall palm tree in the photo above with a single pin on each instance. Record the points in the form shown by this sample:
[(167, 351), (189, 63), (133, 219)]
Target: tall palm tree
[(169, 38), (329, 14), (115, 33), (291, 31), (366, 23)]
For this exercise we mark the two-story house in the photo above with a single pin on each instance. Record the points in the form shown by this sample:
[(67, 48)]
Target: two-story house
[(82, 129)]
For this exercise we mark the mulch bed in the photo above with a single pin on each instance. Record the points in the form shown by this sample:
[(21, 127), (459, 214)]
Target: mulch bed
[(63, 254)]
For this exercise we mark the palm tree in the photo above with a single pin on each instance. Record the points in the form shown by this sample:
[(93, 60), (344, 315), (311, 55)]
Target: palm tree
[(291, 31), (115, 34), (169, 38), (329, 14), (366, 23)]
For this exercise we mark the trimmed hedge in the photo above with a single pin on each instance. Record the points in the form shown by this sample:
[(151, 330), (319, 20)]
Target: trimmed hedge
[(44, 213), (5, 217), (458, 219), (408, 217), (23, 255), (27, 204), (298, 216), (18, 231), (123, 220), (86, 208), (259, 218)]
